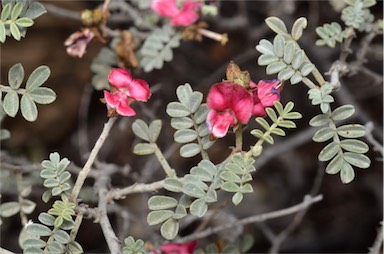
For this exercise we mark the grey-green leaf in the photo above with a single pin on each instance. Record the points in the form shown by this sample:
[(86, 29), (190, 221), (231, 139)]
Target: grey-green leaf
[(237, 198), (24, 22), (193, 190), (275, 67), (286, 74), (140, 128), (185, 136), (319, 120), (38, 77), (357, 160), (176, 109), (157, 217), (198, 207), (11, 103), (277, 25), (289, 52), (43, 95), (323, 134), (28, 108), (190, 150), (169, 229), (351, 131), (6, 11), (2, 33), (9, 209), (143, 149), (335, 165), (354, 145), (278, 45), (16, 11), (16, 76), (15, 31), (298, 27), (39, 230), (343, 112), (181, 123), (154, 130), (329, 151), (62, 237), (161, 202), (347, 174), (35, 10)]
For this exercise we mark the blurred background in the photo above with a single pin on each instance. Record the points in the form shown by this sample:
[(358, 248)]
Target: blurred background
[(347, 219)]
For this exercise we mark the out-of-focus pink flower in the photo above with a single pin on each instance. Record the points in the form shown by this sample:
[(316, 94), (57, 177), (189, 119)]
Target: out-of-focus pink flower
[(124, 91), (185, 16), (228, 105), (77, 42), (178, 248), (264, 94)]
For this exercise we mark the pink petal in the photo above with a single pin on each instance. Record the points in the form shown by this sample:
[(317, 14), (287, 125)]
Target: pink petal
[(267, 92), (166, 8), (188, 14), (124, 109), (178, 248), (112, 100), (139, 90), (120, 78), (218, 123), (77, 42), (258, 110), (242, 104)]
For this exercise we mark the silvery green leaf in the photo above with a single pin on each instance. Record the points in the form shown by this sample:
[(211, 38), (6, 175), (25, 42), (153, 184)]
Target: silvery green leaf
[(278, 45), (237, 198), (263, 123), (143, 149), (61, 237), (55, 247), (46, 219), (272, 114), (24, 22), (28, 108), (268, 138), (185, 136), (247, 188), (190, 150), (176, 109), (286, 124), (343, 112), (230, 187), (2, 33), (47, 195), (351, 131), (319, 120), (347, 174), (335, 165), (11, 103), (154, 130), (357, 160), (173, 185), (257, 133), (157, 217), (48, 173), (211, 196), (6, 12), (35, 10), (306, 68), (33, 243), (228, 176), (9, 209), (233, 167), (267, 59), (140, 128), (328, 99), (278, 131), (265, 47), (161, 202), (50, 183), (354, 145), (16, 11), (39, 230), (203, 130), (15, 31), (329, 151), (38, 77), (288, 107), (277, 25), (201, 114), (298, 27), (27, 206), (286, 74), (16, 76), (324, 107), (183, 93), (289, 52), (43, 95), (169, 229), (198, 207), (181, 123), (275, 67), (296, 78), (297, 60), (323, 134), (193, 190), (206, 142), (202, 174), (180, 212), (279, 107), (4, 134)]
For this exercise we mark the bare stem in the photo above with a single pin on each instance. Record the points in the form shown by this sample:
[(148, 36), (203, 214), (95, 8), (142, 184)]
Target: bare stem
[(135, 188), (378, 244), (164, 163), (239, 138), (87, 167)]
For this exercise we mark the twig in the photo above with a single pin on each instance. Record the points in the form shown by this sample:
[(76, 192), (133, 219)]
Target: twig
[(110, 236), (62, 12), (135, 188), (378, 244), (308, 201), (369, 127), (87, 167)]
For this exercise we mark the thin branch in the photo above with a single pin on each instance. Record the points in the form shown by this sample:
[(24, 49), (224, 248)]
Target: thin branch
[(308, 201), (369, 127), (62, 12), (87, 167), (378, 244), (110, 236), (135, 188)]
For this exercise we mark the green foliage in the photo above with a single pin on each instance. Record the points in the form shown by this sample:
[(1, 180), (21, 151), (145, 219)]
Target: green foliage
[(237, 175), (157, 48), (282, 120), (357, 14), (56, 177), (148, 133), (64, 210), (330, 34), (101, 65), (284, 57), (188, 118), (32, 94), (16, 16), (133, 247), (344, 151), (4, 133), (321, 97)]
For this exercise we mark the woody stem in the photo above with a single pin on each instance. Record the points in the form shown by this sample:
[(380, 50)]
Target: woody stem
[(239, 138)]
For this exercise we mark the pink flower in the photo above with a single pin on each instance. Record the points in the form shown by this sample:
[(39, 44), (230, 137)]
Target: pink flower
[(184, 17), (77, 42), (124, 91), (178, 248), (265, 93), (229, 104)]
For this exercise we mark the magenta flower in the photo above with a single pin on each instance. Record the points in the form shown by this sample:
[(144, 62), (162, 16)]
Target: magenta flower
[(124, 91), (77, 42), (185, 16), (178, 248), (264, 94), (228, 105)]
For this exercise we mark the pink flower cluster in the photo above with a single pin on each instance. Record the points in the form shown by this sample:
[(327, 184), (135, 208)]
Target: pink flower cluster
[(124, 91), (185, 16), (231, 104)]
